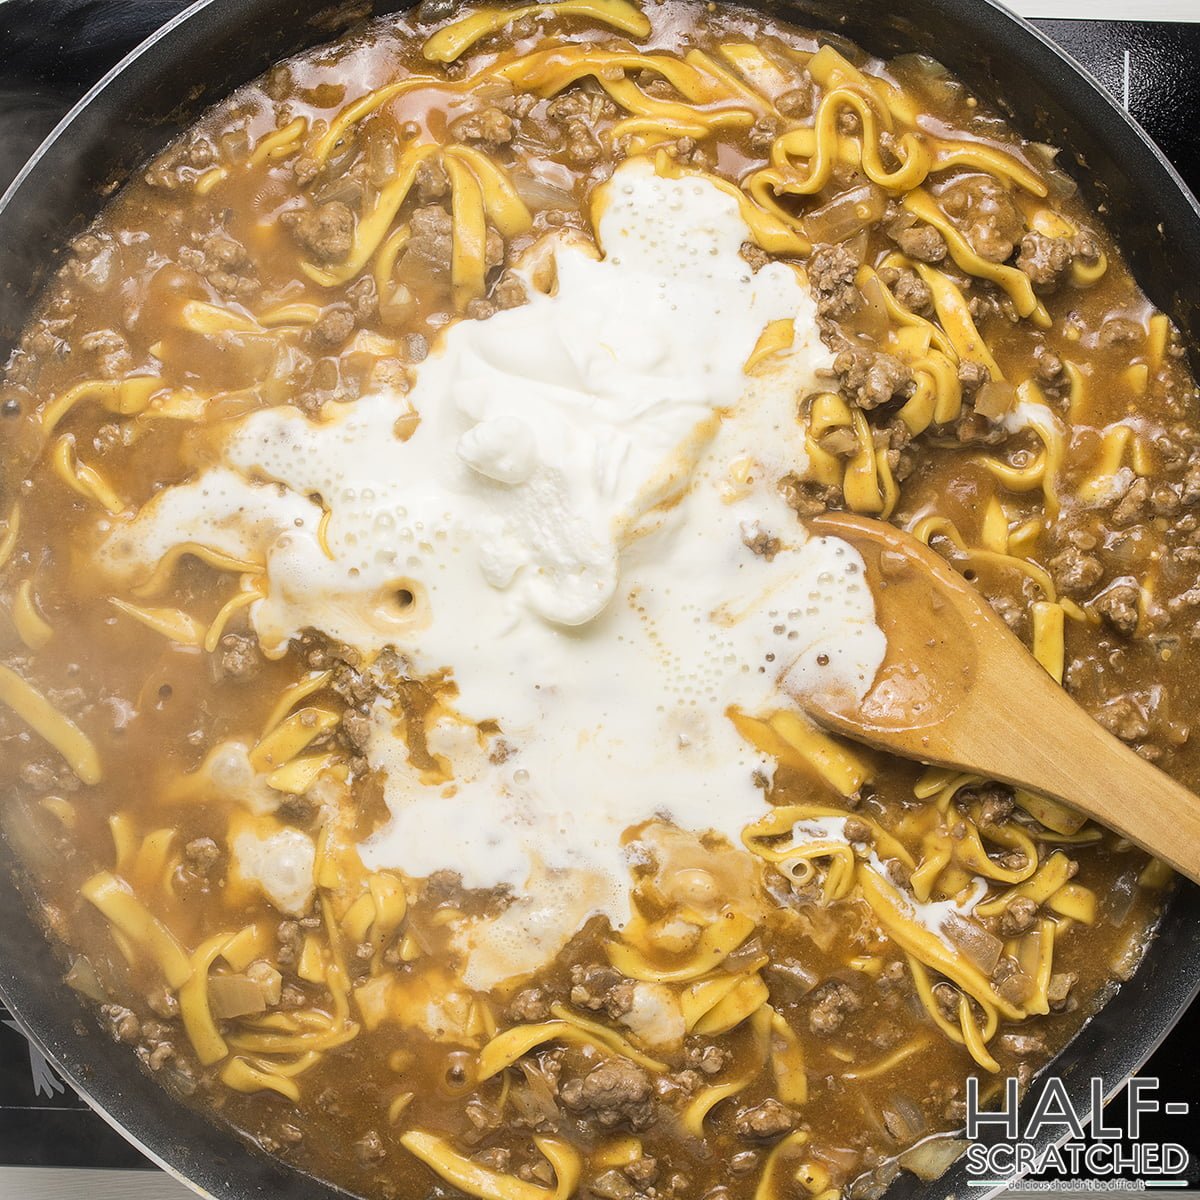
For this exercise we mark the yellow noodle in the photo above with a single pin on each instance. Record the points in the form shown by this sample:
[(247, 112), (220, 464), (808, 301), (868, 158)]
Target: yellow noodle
[(954, 316), (881, 1066), (201, 317), (814, 1179), (704, 1101), (468, 255), (249, 943), (1156, 874), (333, 1035), (1157, 341), (455, 39), (505, 1048), (717, 941), (1077, 398), (1136, 378), (980, 157), (993, 533), (767, 229), (759, 837), (55, 727), (209, 180), (937, 851), (291, 736), (952, 1029), (194, 1009), (862, 482), (668, 117), (1042, 965), (1049, 647), (745, 999), (795, 741), (735, 86), (486, 1184), (298, 775), (892, 912), (253, 589), (827, 412), (1117, 443), (603, 1036), (12, 529), (934, 780), (930, 527), (242, 1076), (549, 71), (172, 623), (124, 397), (1015, 283), (1075, 901), (298, 314), (178, 404), (1049, 877), (365, 105), (1040, 418), (969, 853), (151, 867), (750, 60), (504, 207), (311, 967), (84, 480), (831, 69), (1051, 224), (293, 695), (769, 1184), (358, 918), (281, 142), (775, 338), (973, 1038), (120, 826), (1055, 816), (372, 229), (700, 997), (391, 907), (787, 1062), (217, 559), (867, 280), (821, 144), (32, 628), (130, 917)]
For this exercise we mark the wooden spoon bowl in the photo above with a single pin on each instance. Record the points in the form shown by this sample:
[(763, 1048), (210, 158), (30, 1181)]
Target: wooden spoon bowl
[(958, 689)]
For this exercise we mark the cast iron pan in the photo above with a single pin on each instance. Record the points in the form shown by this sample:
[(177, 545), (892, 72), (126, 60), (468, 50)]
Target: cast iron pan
[(217, 45)]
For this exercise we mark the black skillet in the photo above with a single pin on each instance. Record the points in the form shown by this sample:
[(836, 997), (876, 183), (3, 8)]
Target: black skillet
[(217, 45)]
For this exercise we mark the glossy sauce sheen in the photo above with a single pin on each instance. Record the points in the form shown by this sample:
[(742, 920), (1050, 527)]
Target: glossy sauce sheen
[(548, 652)]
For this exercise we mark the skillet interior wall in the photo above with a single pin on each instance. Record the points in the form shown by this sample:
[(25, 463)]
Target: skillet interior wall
[(223, 44)]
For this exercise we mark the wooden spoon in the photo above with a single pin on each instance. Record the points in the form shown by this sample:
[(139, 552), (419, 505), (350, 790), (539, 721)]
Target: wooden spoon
[(958, 689)]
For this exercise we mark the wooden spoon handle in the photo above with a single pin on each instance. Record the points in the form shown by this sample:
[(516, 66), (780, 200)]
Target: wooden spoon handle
[(1086, 767)]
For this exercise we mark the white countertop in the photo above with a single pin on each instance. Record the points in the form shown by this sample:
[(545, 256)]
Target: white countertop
[(60, 1183), (1110, 10)]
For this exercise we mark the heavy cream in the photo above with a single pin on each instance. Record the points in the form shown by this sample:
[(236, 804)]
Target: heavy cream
[(585, 530)]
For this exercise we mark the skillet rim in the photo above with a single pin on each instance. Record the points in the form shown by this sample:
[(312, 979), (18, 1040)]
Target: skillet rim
[(211, 1158)]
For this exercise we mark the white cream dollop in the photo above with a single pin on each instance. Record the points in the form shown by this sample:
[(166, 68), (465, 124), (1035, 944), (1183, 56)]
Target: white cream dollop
[(281, 863), (588, 521)]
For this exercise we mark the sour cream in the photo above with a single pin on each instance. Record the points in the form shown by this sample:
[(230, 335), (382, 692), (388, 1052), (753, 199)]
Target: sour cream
[(586, 532)]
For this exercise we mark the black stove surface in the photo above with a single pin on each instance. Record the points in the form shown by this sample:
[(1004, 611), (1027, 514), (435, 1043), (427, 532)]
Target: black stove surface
[(51, 51)]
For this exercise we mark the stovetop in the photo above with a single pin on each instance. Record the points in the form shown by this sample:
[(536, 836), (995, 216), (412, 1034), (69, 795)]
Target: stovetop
[(51, 51)]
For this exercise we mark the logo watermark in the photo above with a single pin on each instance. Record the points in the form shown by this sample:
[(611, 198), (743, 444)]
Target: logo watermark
[(1088, 1147)]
